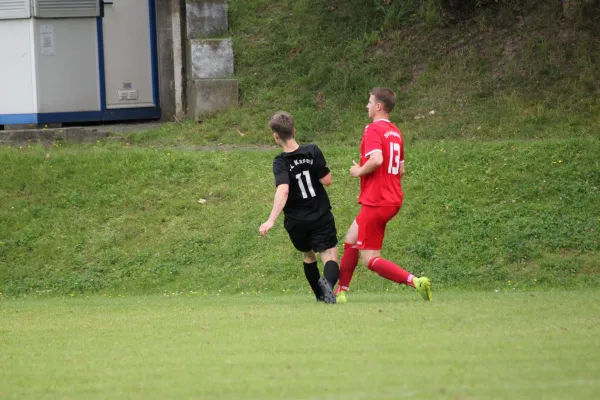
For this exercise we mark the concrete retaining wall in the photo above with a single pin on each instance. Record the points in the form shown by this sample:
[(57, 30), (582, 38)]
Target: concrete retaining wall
[(209, 59)]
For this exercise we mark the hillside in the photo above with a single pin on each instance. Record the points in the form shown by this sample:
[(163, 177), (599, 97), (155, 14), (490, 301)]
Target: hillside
[(518, 70), (114, 218)]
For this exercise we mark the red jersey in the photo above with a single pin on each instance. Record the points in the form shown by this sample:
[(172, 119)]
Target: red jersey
[(382, 187)]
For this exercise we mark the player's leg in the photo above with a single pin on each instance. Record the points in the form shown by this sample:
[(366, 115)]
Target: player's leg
[(299, 235), (349, 258), (385, 268), (393, 272), (323, 239), (331, 273), (371, 240), (311, 271), (331, 269)]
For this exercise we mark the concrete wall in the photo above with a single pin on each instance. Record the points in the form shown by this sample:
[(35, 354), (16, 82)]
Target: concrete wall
[(209, 58), (164, 36), (205, 96), (206, 18), (191, 46), (169, 25)]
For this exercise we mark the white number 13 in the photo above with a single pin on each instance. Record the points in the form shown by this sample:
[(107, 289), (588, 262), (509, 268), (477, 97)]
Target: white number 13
[(394, 165)]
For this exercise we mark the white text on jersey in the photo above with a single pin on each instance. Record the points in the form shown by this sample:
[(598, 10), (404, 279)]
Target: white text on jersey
[(299, 162), (391, 133)]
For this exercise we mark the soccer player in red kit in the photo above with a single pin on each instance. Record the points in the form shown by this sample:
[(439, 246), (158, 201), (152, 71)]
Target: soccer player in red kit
[(380, 170)]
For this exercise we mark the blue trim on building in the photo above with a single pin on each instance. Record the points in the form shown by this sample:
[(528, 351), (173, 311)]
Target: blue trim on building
[(154, 52), (18, 119), (101, 70), (81, 116)]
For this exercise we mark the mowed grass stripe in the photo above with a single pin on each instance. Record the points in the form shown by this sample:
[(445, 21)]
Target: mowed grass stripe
[(510, 344)]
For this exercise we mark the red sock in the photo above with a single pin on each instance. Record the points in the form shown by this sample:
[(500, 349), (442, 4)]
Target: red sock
[(347, 266), (388, 270)]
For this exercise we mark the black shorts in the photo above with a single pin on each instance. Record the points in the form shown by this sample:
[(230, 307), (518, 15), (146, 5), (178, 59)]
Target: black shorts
[(316, 235)]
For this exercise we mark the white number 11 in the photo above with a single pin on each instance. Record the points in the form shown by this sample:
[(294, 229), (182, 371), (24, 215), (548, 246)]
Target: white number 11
[(308, 184)]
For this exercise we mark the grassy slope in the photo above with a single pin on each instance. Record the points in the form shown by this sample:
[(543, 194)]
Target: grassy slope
[(519, 73), (111, 217)]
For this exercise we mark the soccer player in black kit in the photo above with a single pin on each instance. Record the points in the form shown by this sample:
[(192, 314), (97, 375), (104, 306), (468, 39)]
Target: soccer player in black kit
[(300, 176)]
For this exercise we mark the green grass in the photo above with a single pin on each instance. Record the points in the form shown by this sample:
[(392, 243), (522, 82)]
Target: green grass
[(475, 345), (112, 218), (513, 70), (500, 115)]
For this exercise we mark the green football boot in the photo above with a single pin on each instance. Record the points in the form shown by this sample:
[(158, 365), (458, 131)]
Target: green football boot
[(423, 286)]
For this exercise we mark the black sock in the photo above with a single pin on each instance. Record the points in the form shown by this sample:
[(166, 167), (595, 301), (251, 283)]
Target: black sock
[(331, 272), (312, 276)]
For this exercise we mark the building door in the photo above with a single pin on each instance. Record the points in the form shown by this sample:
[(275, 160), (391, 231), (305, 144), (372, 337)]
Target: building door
[(127, 40)]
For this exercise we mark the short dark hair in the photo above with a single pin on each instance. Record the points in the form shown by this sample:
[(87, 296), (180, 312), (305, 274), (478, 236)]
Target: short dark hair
[(385, 96), (282, 123)]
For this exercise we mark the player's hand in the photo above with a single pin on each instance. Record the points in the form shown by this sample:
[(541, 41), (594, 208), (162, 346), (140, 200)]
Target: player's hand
[(355, 170), (264, 228)]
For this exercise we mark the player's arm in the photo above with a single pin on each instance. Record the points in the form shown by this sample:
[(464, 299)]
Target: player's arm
[(323, 171), (326, 180), (281, 196), (282, 182), (375, 159), (374, 153)]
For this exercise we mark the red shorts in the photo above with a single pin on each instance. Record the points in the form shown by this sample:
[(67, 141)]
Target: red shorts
[(371, 222)]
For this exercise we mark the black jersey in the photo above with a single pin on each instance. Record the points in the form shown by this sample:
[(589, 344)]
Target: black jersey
[(302, 169)]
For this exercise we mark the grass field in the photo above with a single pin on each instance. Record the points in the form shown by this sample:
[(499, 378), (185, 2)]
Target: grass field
[(132, 269), (464, 345), (113, 218)]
